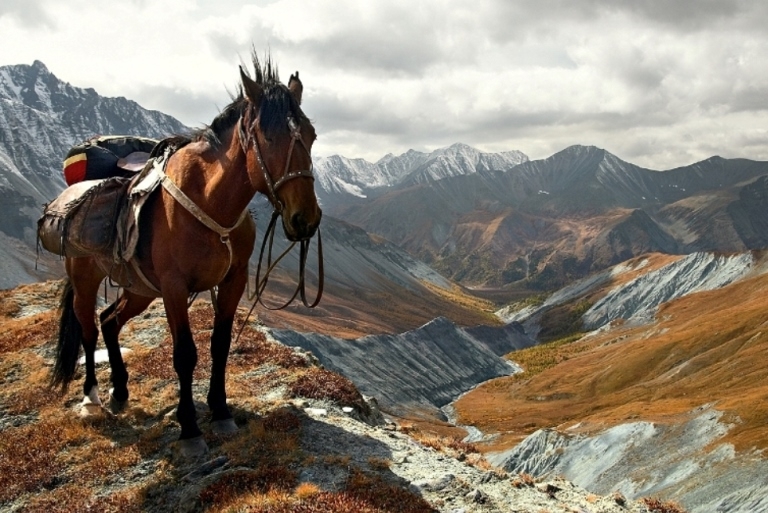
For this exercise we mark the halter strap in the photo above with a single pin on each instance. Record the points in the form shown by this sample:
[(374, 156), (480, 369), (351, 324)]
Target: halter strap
[(272, 186)]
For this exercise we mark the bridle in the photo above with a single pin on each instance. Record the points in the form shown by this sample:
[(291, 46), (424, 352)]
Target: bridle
[(247, 140)]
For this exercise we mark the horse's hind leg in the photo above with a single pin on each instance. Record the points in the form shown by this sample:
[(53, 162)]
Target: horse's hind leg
[(126, 307), (85, 281)]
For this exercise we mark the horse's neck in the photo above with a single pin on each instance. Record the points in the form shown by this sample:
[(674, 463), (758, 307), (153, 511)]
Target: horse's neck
[(216, 181)]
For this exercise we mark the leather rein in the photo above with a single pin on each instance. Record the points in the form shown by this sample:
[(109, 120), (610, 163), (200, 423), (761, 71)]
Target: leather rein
[(247, 140)]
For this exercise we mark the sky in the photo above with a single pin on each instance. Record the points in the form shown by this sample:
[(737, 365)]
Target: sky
[(659, 83)]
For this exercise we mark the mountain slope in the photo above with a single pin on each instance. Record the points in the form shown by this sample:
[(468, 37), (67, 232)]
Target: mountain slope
[(41, 117), (546, 222), (420, 370)]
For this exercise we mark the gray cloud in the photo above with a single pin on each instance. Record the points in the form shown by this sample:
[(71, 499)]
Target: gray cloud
[(192, 108), (659, 82), (31, 13)]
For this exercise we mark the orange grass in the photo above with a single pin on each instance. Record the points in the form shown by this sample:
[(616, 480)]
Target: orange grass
[(317, 383), (707, 348), (53, 462)]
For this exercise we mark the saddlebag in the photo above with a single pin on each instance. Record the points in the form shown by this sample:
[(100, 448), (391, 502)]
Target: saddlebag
[(106, 156), (82, 220)]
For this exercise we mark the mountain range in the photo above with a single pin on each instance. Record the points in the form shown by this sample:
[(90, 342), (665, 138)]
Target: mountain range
[(456, 233), (340, 178), (487, 220), (541, 224)]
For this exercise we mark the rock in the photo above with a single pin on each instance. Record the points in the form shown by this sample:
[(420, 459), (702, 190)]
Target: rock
[(436, 484), (477, 496), (548, 488)]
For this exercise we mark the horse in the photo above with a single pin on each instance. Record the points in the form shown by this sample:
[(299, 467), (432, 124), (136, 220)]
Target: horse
[(260, 143)]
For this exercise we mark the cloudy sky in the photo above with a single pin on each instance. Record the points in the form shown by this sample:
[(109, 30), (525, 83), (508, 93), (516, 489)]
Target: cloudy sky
[(660, 83)]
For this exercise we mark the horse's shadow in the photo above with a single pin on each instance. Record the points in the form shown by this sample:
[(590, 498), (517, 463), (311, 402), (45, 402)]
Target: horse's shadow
[(282, 449)]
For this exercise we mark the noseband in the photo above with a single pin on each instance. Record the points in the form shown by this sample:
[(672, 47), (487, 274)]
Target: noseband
[(247, 139)]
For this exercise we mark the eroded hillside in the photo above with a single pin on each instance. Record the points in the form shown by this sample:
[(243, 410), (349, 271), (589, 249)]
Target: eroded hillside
[(701, 355), (308, 441)]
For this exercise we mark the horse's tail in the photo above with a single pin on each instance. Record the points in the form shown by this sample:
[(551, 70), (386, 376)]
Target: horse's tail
[(70, 337)]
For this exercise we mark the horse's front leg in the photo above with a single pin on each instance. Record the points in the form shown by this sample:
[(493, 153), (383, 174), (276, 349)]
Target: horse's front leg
[(229, 294), (184, 362)]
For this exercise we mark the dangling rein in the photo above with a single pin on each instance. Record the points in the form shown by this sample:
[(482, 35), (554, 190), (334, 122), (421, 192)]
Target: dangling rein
[(261, 283), (301, 291)]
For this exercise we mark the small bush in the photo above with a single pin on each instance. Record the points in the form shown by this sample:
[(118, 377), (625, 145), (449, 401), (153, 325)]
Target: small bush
[(656, 505), (319, 383)]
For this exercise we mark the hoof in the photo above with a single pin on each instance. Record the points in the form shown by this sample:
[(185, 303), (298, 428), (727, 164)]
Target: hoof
[(191, 448), (91, 411), (91, 407), (116, 406), (224, 427)]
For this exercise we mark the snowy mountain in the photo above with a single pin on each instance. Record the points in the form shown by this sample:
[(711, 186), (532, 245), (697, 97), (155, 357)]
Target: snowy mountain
[(342, 179), (41, 117)]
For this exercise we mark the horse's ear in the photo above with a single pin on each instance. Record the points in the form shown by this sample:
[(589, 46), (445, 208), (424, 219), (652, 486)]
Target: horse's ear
[(252, 90), (295, 87)]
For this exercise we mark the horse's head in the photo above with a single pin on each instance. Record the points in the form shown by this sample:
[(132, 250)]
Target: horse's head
[(277, 138)]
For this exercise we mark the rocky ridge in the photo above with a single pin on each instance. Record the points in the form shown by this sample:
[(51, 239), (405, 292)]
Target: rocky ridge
[(341, 179), (419, 370), (697, 465)]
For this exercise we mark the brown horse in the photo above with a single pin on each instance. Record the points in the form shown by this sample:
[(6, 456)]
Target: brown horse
[(259, 143)]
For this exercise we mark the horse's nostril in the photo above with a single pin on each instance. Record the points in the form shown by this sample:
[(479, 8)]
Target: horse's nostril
[(297, 220)]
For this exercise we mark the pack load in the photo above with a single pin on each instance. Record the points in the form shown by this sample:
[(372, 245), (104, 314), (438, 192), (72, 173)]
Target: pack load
[(107, 156), (82, 220)]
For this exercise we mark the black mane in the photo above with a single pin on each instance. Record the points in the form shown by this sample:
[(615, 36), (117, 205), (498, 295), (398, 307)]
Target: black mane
[(276, 104)]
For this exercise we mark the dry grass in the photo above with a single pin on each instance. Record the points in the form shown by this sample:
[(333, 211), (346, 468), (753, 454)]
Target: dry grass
[(317, 383), (27, 333), (535, 360), (524, 481), (706, 348), (54, 462), (656, 505)]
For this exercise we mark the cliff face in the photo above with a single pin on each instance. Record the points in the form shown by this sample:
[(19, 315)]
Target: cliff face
[(419, 370)]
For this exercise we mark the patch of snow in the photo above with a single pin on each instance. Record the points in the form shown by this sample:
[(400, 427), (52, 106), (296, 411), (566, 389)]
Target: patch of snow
[(102, 356)]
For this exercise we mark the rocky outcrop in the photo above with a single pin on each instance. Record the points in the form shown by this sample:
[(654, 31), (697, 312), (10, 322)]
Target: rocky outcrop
[(638, 300), (425, 368), (648, 459)]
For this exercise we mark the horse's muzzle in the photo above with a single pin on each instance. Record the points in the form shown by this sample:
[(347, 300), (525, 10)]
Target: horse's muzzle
[(300, 226)]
